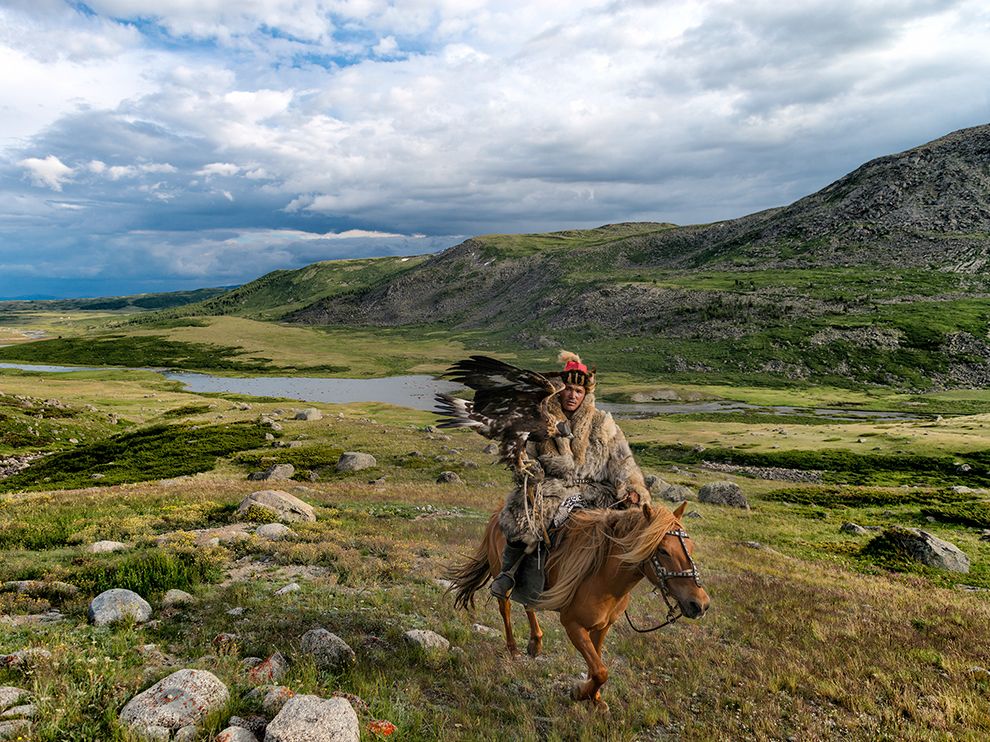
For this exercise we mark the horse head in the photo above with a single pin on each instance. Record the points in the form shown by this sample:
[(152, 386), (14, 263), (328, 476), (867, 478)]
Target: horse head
[(672, 570)]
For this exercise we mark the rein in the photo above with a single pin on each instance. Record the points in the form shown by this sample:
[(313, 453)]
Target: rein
[(673, 610)]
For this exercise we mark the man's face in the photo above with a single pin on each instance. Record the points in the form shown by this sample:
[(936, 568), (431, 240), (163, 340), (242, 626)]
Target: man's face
[(571, 397)]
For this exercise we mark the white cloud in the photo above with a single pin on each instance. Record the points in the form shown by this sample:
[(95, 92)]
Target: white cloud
[(50, 172), (218, 168)]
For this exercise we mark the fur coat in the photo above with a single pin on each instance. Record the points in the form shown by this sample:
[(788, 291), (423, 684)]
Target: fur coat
[(594, 469)]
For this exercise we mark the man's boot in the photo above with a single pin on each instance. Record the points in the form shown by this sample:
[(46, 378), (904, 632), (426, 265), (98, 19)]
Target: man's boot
[(512, 557)]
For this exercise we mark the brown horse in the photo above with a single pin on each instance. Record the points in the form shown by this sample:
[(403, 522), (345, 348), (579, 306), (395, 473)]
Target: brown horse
[(601, 557)]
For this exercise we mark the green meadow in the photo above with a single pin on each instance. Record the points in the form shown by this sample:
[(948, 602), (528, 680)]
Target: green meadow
[(814, 633)]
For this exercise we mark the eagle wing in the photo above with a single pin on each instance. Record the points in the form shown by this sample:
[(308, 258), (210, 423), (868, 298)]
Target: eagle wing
[(510, 404)]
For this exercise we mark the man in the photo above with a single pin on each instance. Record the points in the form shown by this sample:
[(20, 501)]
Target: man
[(592, 469)]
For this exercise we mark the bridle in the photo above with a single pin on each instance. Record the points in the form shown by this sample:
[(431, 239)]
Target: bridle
[(673, 609)]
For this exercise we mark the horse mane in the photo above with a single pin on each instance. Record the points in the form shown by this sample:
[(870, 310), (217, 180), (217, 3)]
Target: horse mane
[(588, 538)]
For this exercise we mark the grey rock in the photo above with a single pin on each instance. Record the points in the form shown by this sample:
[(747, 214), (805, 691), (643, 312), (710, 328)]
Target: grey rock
[(290, 588), (484, 630), (491, 449), (182, 699), (254, 723), (723, 493), (275, 473), (274, 698), (280, 505), (328, 650), (426, 639), (310, 413), (118, 604), (449, 477), (106, 547), (10, 695), (654, 484), (42, 588), (676, 493), (27, 711), (928, 549), (185, 734), (314, 719), (238, 611), (355, 461), (235, 734), (853, 528), (273, 531), (12, 729), (174, 598), (693, 514)]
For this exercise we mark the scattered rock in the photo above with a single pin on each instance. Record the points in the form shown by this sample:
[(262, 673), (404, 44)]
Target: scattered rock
[(12, 729), (238, 611), (25, 657), (42, 589), (925, 548), (270, 670), (426, 639), (27, 711), (279, 505), (118, 604), (182, 699), (329, 651), (355, 461), (654, 484), (290, 588), (152, 655), (693, 514), (484, 630), (275, 698), (106, 547), (254, 723), (235, 734), (723, 493), (176, 598), (676, 493), (314, 719), (490, 449), (225, 642), (449, 477), (185, 734), (273, 531), (853, 528)]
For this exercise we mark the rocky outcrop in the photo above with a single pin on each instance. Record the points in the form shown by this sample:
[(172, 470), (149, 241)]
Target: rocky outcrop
[(922, 547), (277, 505), (723, 493), (355, 461)]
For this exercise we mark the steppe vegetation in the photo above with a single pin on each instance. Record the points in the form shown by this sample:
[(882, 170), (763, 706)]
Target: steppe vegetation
[(813, 634)]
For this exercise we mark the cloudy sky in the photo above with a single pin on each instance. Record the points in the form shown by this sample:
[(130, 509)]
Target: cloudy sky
[(150, 145)]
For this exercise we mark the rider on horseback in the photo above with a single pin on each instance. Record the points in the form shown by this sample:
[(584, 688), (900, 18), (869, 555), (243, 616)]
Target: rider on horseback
[(592, 469)]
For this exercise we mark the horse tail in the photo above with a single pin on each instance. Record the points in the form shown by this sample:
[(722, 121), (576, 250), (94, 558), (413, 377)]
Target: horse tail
[(472, 575)]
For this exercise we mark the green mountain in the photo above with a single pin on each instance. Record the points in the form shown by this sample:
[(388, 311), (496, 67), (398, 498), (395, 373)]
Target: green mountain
[(112, 303)]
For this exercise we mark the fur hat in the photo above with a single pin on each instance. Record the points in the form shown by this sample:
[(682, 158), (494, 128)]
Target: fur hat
[(575, 372)]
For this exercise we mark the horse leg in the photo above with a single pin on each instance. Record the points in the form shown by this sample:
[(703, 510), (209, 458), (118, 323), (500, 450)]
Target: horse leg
[(535, 646), (505, 608), (597, 672)]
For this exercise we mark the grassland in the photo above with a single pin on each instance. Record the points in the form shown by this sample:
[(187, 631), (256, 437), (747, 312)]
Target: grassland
[(809, 636)]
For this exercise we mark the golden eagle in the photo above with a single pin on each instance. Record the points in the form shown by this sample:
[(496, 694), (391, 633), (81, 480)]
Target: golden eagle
[(511, 405)]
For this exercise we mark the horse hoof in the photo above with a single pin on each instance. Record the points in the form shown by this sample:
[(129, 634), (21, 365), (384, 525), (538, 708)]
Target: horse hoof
[(534, 650)]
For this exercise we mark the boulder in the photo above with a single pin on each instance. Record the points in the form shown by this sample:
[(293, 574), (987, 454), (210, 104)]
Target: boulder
[(654, 484), (182, 699), (270, 670), (118, 604), (310, 413), (329, 651), (449, 477), (185, 734), (676, 493), (12, 729), (426, 639), (853, 528), (292, 587), (355, 461), (490, 449), (105, 547), (9, 696), (314, 719), (176, 597), (723, 493), (273, 531), (275, 472), (254, 723), (925, 548), (26, 657), (278, 505), (235, 734)]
